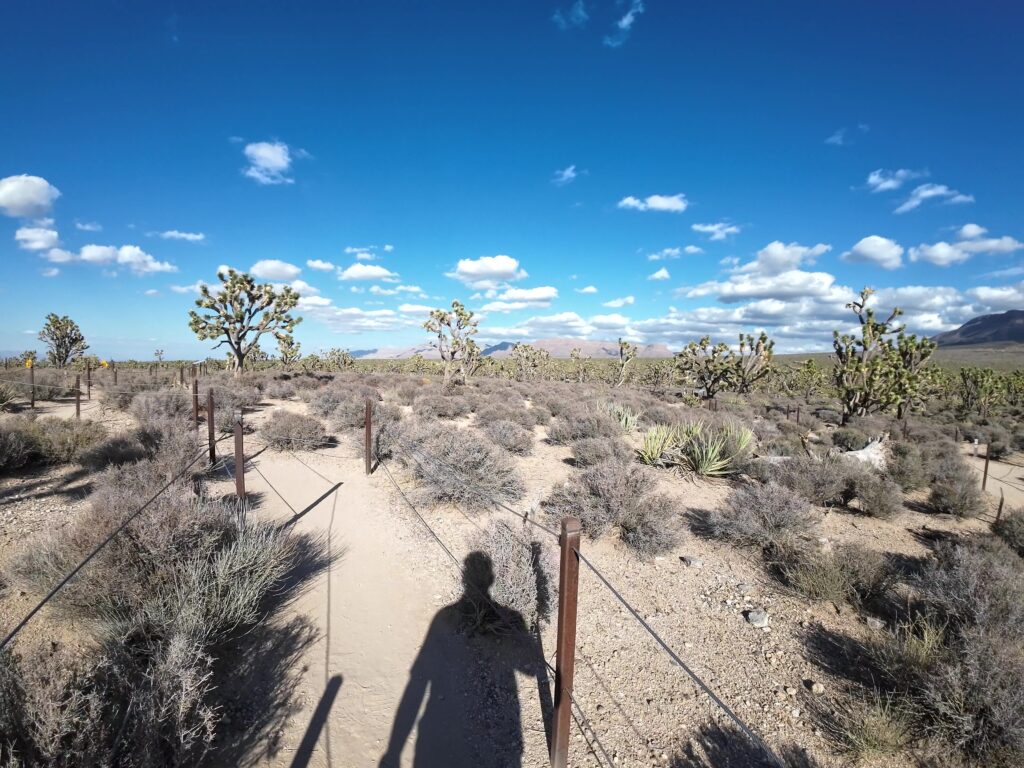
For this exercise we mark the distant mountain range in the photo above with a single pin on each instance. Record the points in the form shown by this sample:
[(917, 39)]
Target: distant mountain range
[(986, 329), (558, 348)]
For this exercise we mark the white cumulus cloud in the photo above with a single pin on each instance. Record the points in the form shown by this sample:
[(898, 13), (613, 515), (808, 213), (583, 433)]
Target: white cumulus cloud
[(661, 274), (487, 272), (26, 196), (323, 266), (673, 203), (716, 231), (924, 192), (875, 249), (617, 303), (269, 162), (586, 289), (36, 238), (881, 180), (565, 176), (360, 271), (176, 234), (274, 269)]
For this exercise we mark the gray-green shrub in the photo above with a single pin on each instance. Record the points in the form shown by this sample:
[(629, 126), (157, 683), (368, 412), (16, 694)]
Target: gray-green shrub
[(768, 516)]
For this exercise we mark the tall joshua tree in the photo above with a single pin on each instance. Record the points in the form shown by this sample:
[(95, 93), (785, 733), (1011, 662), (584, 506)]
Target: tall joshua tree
[(241, 312), (454, 331), (64, 339)]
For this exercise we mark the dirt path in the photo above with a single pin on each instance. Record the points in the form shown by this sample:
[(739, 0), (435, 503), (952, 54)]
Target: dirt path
[(1002, 477)]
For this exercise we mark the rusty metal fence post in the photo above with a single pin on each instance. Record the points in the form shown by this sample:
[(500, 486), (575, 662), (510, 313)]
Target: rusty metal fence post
[(78, 397), (239, 458), (984, 475), (999, 511), (181, 375), (195, 403), (210, 426), (565, 641), (32, 385), (113, 367), (368, 436)]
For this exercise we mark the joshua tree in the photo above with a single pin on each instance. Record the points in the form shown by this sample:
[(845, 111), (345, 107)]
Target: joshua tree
[(241, 312), (579, 364), (64, 339), (472, 361), (159, 355), (754, 361), (875, 371), (28, 357), (339, 359), (453, 329), (290, 351), (528, 360), (979, 390), (627, 352), (711, 367)]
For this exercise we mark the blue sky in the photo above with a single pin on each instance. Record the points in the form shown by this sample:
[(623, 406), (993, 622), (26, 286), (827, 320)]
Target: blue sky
[(705, 167)]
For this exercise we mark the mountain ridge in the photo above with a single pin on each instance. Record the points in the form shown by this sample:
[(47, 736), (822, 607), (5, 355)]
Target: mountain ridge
[(986, 329)]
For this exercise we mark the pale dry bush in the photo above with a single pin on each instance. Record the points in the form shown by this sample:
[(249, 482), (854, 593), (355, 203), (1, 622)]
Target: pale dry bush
[(846, 574), (581, 422), (492, 410), (511, 436), (441, 406), (1010, 529), (588, 451), (767, 516), (459, 467), (955, 489), (285, 431), (620, 496), (525, 575)]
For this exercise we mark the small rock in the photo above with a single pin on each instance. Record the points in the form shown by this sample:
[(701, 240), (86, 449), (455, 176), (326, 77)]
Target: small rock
[(758, 618), (790, 690), (795, 712), (692, 562), (745, 589), (875, 623), (817, 689)]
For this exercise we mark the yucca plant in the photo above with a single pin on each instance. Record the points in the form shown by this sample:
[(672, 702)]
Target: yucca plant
[(705, 455), (657, 442), (627, 417)]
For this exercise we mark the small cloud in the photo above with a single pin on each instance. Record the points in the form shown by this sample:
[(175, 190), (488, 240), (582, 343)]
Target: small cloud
[(388, 248), (925, 192), (564, 176), (665, 254), (881, 180), (366, 272), (661, 274), (50, 272), (323, 266), (88, 226), (487, 272), (175, 234), (36, 238), (152, 292), (873, 249), (970, 232), (624, 25), (586, 289), (837, 139), (196, 287), (717, 231), (26, 196), (675, 203), (269, 162), (274, 269), (575, 16), (616, 303)]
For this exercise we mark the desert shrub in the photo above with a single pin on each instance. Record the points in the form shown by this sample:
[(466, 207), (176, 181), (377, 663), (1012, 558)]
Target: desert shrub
[(8, 394), (846, 574), (406, 392), (955, 488), (621, 496), (829, 416), (907, 466), (525, 577), (849, 439), (53, 385), (704, 449), (460, 467), (877, 495), (17, 446), (165, 404), (388, 428), (870, 726), (490, 411), (595, 450), (768, 516), (121, 396), (999, 443), (1017, 440), (1010, 529), (823, 482), (285, 431), (169, 443), (579, 423), (510, 436), (279, 389), (349, 399), (114, 450), (60, 441), (628, 418), (440, 406)]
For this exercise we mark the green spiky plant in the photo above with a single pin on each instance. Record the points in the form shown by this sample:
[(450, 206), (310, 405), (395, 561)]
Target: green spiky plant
[(710, 367), (753, 361)]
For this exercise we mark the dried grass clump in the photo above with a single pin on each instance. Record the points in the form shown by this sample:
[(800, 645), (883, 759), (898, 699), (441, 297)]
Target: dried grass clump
[(849, 439), (580, 423), (620, 496), (17, 448), (877, 495), (49, 440), (769, 516), (907, 466), (279, 389), (525, 579), (847, 574), (490, 410), (121, 396), (459, 467), (595, 450), (868, 727), (955, 489), (113, 451), (510, 436), (162, 405), (285, 431), (1010, 529), (824, 482), (441, 406)]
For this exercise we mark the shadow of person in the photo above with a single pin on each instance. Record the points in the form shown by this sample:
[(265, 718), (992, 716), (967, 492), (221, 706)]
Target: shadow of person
[(466, 672)]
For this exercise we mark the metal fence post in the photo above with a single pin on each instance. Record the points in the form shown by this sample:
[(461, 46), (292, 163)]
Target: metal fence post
[(78, 397), (984, 476), (32, 385), (798, 414), (181, 375), (113, 366), (565, 651), (1002, 500), (88, 381), (210, 426), (195, 403), (368, 436), (239, 458)]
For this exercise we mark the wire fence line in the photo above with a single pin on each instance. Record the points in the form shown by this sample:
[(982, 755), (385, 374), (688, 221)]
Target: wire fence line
[(96, 550)]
